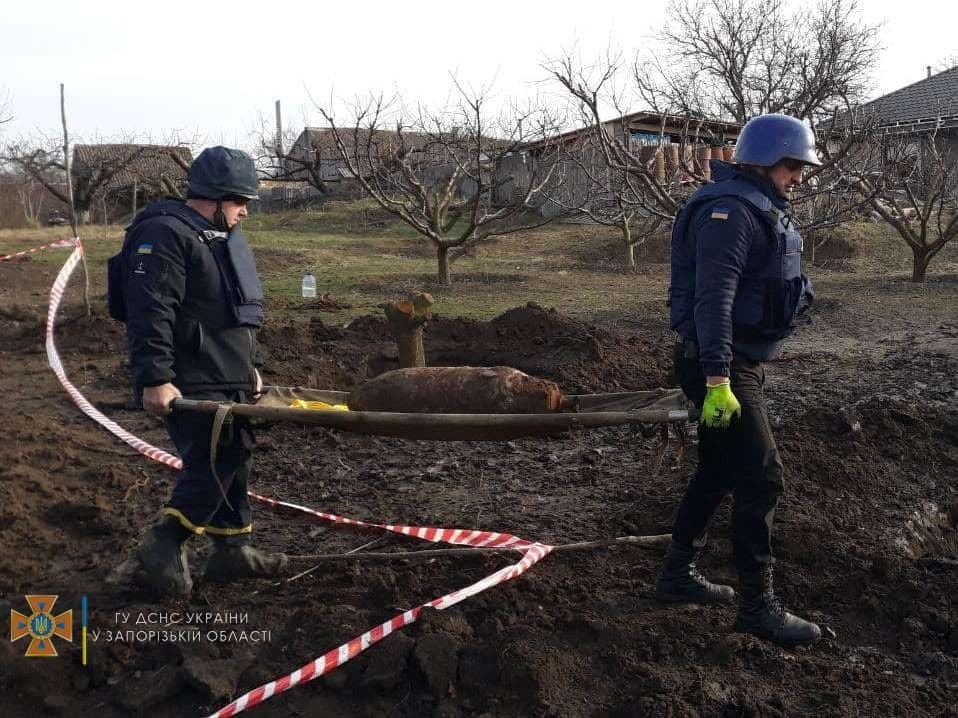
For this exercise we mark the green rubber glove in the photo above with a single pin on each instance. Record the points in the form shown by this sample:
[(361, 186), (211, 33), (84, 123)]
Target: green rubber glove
[(719, 407)]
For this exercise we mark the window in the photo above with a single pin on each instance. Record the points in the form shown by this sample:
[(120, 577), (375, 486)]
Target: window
[(646, 138)]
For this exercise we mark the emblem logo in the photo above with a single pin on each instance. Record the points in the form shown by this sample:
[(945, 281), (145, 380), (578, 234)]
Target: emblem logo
[(41, 625)]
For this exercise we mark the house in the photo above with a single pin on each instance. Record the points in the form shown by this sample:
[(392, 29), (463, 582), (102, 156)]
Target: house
[(921, 106), (117, 179), (901, 122), (315, 158), (647, 135), (315, 151)]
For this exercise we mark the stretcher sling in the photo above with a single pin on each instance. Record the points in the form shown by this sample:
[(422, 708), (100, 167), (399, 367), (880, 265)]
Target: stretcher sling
[(583, 411)]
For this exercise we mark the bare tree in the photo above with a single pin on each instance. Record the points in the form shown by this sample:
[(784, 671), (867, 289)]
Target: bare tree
[(42, 159), (619, 205), (654, 180), (740, 58), (454, 175), (30, 195), (5, 114), (605, 195), (655, 185), (912, 184), (829, 197), (281, 158), (947, 62), (167, 183)]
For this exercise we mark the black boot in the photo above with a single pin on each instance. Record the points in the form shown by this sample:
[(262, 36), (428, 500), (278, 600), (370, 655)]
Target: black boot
[(232, 560), (762, 614), (680, 582), (163, 555)]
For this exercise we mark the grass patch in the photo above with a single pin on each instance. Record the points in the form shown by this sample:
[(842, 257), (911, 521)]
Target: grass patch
[(576, 268)]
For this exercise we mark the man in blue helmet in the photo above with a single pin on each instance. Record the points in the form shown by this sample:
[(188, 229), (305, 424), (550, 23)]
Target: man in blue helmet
[(737, 287), (186, 285)]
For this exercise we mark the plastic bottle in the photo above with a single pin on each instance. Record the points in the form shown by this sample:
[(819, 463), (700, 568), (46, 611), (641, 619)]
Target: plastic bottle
[(309, 286)]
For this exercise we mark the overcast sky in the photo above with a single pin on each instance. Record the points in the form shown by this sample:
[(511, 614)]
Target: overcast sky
[(211, 69)]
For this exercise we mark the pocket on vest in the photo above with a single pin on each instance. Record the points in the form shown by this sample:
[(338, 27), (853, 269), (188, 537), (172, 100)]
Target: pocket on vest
[(780, 305), (749, 309)]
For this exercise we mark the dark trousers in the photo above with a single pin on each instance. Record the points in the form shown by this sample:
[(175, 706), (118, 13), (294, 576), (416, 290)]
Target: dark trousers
[(196, 500), (742, 460)]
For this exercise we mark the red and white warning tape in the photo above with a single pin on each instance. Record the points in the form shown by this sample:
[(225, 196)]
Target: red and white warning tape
[(53, 357), (532, 551), (59, 243), (459, 537)]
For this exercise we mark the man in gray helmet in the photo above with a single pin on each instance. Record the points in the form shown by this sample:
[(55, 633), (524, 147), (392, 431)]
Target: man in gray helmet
[(737, 287), (186, 285)]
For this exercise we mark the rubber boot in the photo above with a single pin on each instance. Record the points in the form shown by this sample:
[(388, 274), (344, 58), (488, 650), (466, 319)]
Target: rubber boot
[(680, 582), (762, 614), (232, 561), (163, 555)]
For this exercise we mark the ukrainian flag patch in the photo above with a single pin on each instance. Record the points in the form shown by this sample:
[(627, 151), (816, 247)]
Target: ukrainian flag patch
[(145, 249), (720, 213)]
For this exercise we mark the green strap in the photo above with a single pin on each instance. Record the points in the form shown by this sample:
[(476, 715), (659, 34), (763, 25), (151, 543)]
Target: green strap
[(223, 415)]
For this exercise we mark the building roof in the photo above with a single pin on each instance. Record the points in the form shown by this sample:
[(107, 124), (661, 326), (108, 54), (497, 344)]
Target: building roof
[(928, 100), (434, 149), (322, 137), (145, 164), (670, 123)]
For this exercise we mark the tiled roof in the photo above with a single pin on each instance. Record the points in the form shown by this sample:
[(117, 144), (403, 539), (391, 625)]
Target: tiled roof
[(146, 164), (929, 99), (322, 137)]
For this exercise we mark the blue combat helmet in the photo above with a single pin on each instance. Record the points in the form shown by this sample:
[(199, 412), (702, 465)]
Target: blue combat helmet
[(767, 139), (222, 173)]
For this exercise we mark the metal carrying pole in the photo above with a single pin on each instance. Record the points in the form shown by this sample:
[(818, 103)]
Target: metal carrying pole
[(449, 427)]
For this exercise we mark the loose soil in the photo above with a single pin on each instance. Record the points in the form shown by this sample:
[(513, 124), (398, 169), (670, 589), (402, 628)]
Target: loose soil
[(863, 407)]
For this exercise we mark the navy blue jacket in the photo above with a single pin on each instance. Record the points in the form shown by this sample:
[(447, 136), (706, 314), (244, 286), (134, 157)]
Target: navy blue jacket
[(191, 317), (736, 270)]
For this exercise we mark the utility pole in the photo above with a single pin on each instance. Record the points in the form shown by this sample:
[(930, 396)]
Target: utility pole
[(73, 213), (279, 137)]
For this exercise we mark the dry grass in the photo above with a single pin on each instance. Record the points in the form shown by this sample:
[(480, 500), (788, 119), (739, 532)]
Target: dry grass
[(577, 269)]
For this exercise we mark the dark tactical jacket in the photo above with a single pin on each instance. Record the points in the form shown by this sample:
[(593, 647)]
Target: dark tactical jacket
[(192, 301), (737, 281)]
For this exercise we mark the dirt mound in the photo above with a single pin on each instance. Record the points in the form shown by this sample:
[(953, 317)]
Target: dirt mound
[(21, 329), (323, 303), (541, 342), (578, 635), (534, 321), (604, 250), (93, 334), (274, 261), (368, 327)]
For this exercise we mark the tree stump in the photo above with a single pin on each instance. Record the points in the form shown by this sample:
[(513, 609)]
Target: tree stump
[(407, 318)]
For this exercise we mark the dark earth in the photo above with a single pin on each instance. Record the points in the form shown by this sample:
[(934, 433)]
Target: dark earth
[(864, 410)]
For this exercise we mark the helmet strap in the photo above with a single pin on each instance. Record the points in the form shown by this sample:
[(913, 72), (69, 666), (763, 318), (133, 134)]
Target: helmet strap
[(219, 218)]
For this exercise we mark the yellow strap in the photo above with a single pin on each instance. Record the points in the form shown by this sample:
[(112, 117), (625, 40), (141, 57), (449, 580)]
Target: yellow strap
[(195, 528), (317, 405)]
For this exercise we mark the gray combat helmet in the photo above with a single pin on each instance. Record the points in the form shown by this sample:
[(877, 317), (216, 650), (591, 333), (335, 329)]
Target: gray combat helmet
[(769, 138), (220, 173)]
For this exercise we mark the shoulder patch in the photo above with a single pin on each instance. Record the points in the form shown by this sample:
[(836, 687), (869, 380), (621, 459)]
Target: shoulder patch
[(145, 248), (720, 212)]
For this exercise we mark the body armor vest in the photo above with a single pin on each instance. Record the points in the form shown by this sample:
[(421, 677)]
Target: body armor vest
[(767, 300)]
